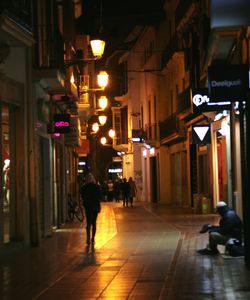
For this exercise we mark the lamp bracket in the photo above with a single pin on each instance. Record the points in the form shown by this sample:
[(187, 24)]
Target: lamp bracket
[(89, 90), (70, 63)]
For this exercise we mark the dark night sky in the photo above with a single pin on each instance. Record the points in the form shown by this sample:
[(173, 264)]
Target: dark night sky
[(118, 18), (114, 24)]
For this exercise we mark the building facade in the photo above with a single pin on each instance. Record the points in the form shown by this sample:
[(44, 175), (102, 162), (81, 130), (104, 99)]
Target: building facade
[(166, 65), (39, 164)]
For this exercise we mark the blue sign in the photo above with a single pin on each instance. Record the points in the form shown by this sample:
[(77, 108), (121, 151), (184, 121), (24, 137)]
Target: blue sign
[(230, 13)]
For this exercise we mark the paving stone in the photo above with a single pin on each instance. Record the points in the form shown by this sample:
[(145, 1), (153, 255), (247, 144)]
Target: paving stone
[(148, 252)]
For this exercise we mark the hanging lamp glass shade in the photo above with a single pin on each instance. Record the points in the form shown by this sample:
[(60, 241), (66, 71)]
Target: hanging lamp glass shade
[(102, 79), (103, 102), (112, 133), (97, 47), (95, 127), (103, 140), (102, 119)]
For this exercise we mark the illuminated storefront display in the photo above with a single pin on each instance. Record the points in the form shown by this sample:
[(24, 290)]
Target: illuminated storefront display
[(6, 171)]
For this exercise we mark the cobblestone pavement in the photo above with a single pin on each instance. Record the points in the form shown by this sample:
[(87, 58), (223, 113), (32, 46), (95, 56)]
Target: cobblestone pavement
[(144, 252)]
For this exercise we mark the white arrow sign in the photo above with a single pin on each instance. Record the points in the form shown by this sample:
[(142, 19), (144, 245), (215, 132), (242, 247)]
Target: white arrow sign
[(201, 131)]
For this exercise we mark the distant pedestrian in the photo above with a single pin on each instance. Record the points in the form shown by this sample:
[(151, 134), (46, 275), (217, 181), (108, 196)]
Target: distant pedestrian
[(104, 190), (125, 192), (91, 196), (133, 190), (117, 190), (110, 186)]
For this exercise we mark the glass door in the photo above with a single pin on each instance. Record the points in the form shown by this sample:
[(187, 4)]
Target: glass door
[(6, 167)]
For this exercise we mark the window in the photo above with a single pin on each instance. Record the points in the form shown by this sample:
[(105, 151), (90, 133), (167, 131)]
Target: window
[(124, 124)]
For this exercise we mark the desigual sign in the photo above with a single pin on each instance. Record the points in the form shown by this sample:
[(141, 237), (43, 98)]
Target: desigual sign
[(227, 83)]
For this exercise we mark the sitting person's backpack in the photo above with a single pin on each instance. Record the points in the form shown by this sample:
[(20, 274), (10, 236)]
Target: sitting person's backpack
[(234, 248)]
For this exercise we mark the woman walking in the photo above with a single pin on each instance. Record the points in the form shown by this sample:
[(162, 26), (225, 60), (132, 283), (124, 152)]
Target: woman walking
[(91, 196)]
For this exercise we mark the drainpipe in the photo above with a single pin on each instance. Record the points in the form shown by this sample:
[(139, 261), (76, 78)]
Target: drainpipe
[(245, 151)]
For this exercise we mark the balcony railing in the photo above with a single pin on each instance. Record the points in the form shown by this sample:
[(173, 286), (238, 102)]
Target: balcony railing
[(171, 126), (183, 101), (172, 47), (182, 9), (49, 51), (17, 10), (151, 131), (121, 140)]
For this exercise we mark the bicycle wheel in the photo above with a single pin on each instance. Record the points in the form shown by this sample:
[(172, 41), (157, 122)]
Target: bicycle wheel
[(71, 214), (71, 211), (79, 213)]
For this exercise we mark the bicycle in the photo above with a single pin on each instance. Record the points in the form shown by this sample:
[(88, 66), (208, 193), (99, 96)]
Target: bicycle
[(75, 209)]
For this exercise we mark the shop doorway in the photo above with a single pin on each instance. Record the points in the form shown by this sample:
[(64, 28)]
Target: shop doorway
[(154, 179), (222, 168), (6, 171), (178, 178), (45, 187)]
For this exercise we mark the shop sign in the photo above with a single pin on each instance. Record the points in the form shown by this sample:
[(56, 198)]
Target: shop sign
[(200, 102), (84, 148), (43, 110), (61, 123), (138, 135), (230, 13), (201, 134), (72, 139), (117, 170), (117, 159), (227, 83)]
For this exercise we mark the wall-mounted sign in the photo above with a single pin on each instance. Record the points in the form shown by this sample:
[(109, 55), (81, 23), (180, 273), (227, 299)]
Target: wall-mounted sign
[(200, 102), (43, 110), (227, 83), (117, 159), (117, 170), (138, 135), (230, 13), (84, 148), (72, 139), (61, 123), (201, 134)]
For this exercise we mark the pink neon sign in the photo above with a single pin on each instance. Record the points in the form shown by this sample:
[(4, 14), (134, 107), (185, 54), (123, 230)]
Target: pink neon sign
[(61, 124)]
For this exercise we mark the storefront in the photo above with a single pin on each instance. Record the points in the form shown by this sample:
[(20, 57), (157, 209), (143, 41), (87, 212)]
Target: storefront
[(6, 170), (150, 170), (12, 161)]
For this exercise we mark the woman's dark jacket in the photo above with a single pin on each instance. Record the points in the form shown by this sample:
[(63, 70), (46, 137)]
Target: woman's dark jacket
[(91, 195)]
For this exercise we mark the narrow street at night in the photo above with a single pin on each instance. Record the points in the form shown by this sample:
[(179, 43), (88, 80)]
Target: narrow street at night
[(132, 116), (144, 252)]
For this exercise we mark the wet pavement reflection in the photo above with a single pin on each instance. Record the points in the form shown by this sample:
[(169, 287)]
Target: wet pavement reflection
[(144, 252)]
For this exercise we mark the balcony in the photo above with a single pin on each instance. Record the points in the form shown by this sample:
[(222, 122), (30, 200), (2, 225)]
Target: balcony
[(49, 60), (172, 130), (18, 11), (172, 48), (151, 132), (183, 102), (184, 12)]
